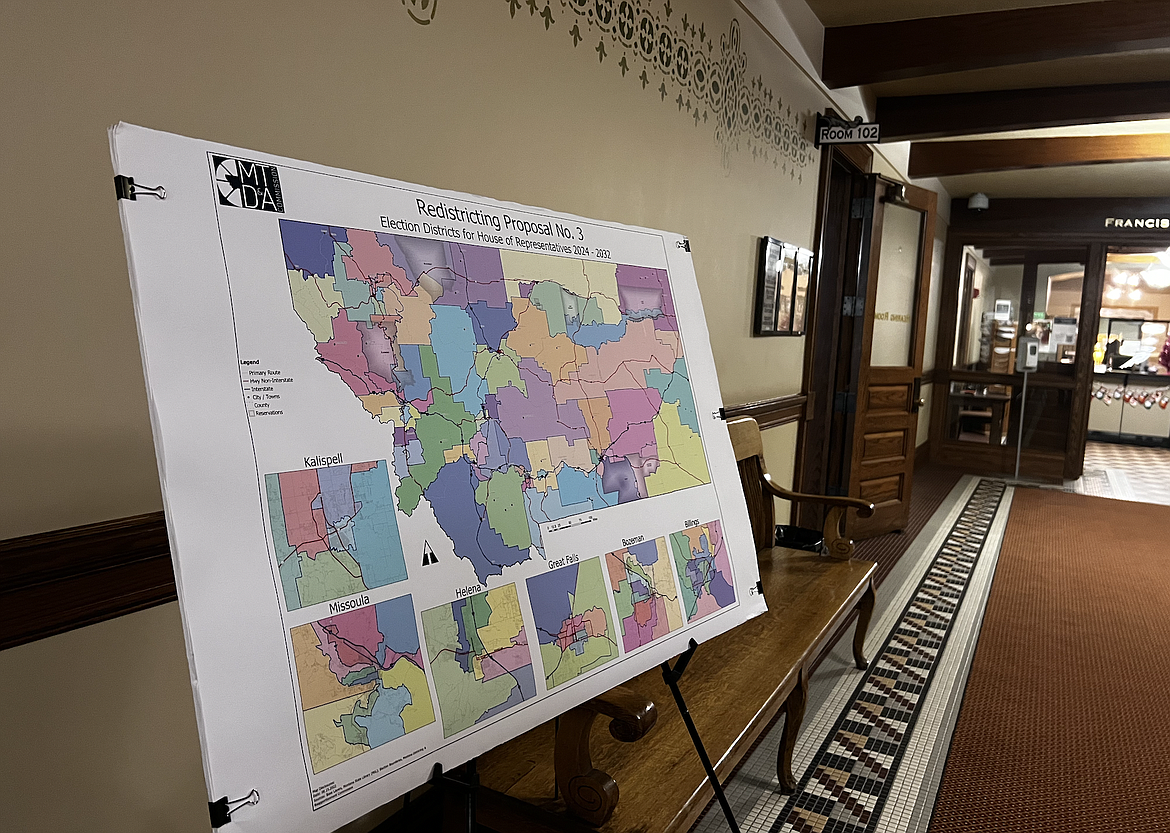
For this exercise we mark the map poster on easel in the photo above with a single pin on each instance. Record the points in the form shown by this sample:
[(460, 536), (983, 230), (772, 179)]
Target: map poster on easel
[(436, 468)]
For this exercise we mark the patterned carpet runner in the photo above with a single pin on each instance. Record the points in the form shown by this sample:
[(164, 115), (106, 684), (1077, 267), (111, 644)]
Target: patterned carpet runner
[(847, 785)]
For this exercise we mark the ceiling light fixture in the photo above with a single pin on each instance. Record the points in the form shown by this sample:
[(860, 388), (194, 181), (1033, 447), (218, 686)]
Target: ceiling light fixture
[(978, 202)]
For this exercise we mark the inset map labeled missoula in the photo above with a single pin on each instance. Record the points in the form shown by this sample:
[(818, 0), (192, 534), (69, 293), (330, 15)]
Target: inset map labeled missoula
[(642, 581), (361, 680), (478, 652), (335, 532), (704, 569), (573, 623)]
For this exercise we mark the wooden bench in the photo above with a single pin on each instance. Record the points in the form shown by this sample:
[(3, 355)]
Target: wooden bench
[(735, 685)]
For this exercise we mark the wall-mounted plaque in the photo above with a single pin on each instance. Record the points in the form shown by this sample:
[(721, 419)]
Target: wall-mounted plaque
[(782, 288)]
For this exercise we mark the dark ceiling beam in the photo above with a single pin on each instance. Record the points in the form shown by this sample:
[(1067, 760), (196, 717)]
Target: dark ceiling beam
[(959, 114), (929, 159), (874, 52)]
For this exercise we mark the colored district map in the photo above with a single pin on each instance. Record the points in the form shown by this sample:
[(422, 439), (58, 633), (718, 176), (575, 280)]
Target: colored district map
[(572, 620), (522, 388), (642, 582), (479, 657), (335, 532), (361, 680), (704, 570)]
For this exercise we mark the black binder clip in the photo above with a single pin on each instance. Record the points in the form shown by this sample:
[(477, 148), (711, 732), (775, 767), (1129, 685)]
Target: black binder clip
[(221, 811), (126, 189)]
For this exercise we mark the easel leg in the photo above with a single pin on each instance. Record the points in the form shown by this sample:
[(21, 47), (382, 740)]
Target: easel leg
[(671, 676), (458, 798)]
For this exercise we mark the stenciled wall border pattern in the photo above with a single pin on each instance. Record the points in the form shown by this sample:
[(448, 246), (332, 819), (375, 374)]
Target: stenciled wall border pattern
[(681, 60)]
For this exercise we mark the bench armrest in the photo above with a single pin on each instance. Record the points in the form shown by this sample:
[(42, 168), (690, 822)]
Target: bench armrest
[(864, 507)]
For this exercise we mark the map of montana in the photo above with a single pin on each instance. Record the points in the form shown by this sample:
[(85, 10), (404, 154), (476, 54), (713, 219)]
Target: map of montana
[(479, 656), (335, 532), (361, 680), (521, 388), (572, 621)]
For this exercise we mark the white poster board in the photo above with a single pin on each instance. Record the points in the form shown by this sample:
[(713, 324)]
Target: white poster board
[(436, 468)]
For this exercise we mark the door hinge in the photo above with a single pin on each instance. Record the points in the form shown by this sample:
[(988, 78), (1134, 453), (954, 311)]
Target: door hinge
[(853, 305), (861, 209), (844, 402)]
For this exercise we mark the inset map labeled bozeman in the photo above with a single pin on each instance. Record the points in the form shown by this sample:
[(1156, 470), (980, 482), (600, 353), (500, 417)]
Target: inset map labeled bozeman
[(642, 582), (478, 652), (573, 621), (361, 680), (335, 532)]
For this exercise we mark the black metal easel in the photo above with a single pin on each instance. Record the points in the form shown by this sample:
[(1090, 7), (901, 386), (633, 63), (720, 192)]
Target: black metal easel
[(447, 785), (671, 676)]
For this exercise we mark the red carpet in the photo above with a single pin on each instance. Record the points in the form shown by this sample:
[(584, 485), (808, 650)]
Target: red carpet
[(1065, 723)]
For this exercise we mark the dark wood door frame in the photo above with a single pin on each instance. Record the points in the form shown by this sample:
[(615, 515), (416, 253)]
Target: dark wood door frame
[(841, 166)]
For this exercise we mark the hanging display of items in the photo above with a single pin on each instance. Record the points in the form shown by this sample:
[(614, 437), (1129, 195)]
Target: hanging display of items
[(781, 305)]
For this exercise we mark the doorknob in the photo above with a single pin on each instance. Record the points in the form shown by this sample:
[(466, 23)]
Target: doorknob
[(921, 403)]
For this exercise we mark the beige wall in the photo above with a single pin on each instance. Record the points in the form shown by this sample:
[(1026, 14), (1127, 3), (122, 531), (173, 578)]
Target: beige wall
[(98, 727)]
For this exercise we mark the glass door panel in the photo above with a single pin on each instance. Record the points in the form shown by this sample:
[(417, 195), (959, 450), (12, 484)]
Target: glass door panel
[(897, 287)]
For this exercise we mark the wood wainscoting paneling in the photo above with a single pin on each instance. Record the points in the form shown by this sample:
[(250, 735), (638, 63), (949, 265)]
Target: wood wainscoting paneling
[(770, 413), (57, 581)]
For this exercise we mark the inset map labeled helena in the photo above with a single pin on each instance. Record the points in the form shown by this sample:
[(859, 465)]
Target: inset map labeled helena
[(335, 532), (361, 680), (642, 582), (573, 623), (704, 569), (521, 388), (479, 657)]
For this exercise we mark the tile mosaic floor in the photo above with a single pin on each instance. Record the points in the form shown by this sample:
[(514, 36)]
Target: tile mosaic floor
[(870, 752), (1126, 472)]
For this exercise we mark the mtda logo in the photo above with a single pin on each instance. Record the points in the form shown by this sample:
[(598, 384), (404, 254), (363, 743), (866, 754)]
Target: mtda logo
[(247, 184)]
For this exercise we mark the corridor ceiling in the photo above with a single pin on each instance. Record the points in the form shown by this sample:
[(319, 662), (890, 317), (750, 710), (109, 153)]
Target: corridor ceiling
[(1012, 98)]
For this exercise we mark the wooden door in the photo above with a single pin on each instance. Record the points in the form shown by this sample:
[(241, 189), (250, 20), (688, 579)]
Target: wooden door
[(892, 303)]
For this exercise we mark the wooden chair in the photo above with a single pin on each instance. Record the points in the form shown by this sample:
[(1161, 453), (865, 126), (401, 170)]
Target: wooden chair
[(845, 584), (749, 454)]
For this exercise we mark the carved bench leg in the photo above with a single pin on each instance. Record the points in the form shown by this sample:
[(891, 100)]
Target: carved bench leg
[(864, 614), (793, 717), (589, 793)]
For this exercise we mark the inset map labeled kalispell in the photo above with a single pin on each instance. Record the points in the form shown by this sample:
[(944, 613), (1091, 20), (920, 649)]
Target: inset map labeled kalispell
[(643, 587), (573, 621), (361, 680), (478, 652), (335, 532), (704, 569)]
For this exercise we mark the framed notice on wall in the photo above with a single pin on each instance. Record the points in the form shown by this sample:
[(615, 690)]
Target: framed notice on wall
[(782, 288)]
